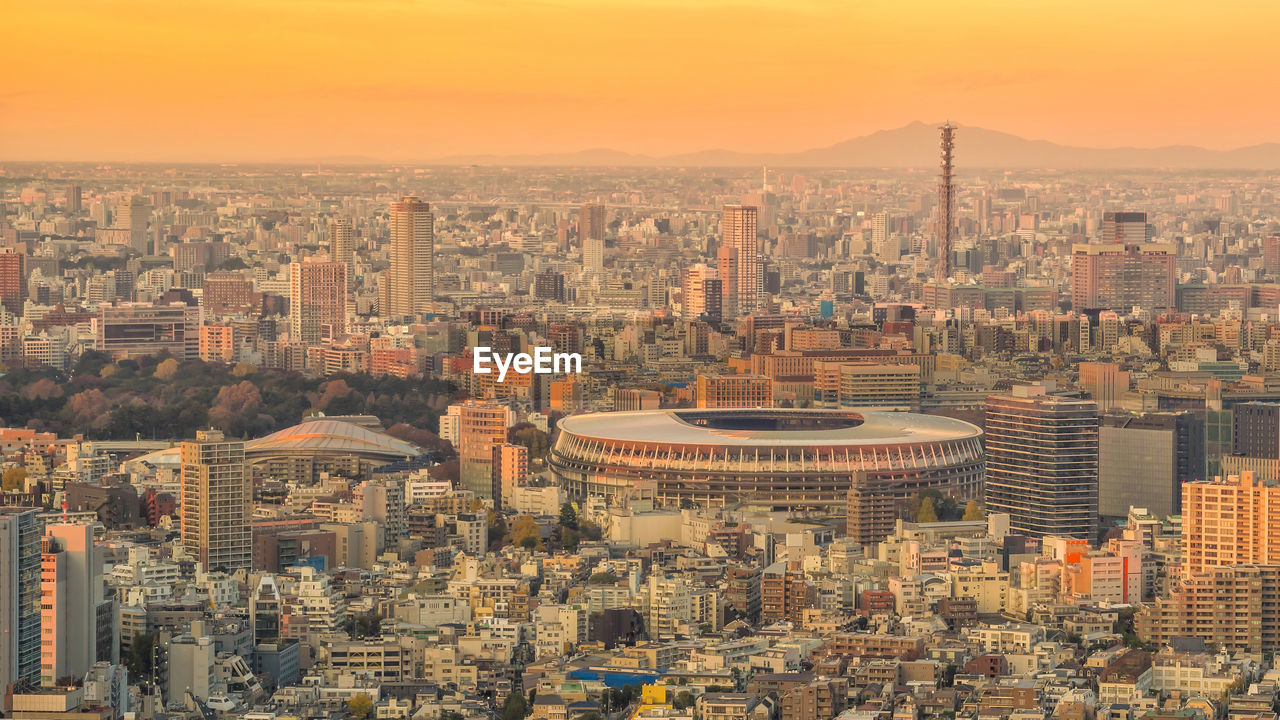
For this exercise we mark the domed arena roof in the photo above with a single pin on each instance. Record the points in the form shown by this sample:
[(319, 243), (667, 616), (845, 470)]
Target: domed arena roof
[(331, 437)]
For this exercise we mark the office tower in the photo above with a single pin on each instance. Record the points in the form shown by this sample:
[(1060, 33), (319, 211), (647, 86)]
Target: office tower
[(481, 426), (136, 329), (738, 232), (19, 596), (1255, 430), (216, 502), (317, 300), (76, 617), (1121, 277), (342, 243), (1144, 461), (946, 201), (132, 215), (411, 278), (734, 391), (1105, 382), (13, 280), (591, 236), (1042, 462), (701, 292), (74, 199), (1125, 228)]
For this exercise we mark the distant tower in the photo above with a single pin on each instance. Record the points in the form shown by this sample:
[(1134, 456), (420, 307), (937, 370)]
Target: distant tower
[(412, 270), (946, 203), (591, 236)]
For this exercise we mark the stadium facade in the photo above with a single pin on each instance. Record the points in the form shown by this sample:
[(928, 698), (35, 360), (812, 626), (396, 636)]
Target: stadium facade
[(870, 464)]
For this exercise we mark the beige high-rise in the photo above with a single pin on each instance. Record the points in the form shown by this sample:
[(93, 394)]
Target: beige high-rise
[(342, 243), (412, 273), (216, 502), (738, 231)]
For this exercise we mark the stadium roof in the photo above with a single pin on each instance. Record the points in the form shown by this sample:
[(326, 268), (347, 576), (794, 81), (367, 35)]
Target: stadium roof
[(768, 427), (328, 436)]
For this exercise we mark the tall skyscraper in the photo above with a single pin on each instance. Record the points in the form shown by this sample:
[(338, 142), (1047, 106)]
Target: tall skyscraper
[(738, 233), (1042, 462), (216, 498), (1124, 227), (77, 619), (19, 596), (412, 272), (317, 298), (946, 202), (591, 236), (13, 280), (133, 215), (74, 199), (342, 243), (1122, 276)]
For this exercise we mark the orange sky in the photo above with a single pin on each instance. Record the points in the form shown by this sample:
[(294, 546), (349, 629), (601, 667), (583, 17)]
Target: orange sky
[(416, 79)]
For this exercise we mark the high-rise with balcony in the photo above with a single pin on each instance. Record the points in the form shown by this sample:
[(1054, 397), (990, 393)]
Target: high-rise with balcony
[(738, 232), (216, 501), (317, 300), (411, 277), (342, 243), (1120, 277), (1042, 462)]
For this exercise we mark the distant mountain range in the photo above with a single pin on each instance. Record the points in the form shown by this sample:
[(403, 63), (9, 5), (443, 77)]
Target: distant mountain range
[(916, 146)]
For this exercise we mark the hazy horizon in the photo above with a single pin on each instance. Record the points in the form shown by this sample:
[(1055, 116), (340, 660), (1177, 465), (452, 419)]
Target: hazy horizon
[(403, 81)]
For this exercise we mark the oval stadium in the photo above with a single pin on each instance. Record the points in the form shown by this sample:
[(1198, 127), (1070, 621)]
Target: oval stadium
[(868, 463)]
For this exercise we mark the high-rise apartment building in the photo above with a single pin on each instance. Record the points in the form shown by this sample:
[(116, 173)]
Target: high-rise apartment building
[(701, 292), (317, 300), (342, 243), (216, 502), (1124, 227), (549, 286), (1042, 462), (75, 200), (738, 232), (510, 469), (76, 617), (1236, 608), (133, 215), (1121, 277), (411, 277), (591, 236), (1271, 255), (13, 280), (1144, 461), (1227, 522)]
